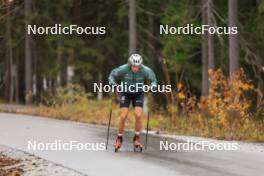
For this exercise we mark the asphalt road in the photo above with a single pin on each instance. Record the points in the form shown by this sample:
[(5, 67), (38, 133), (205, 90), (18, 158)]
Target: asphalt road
[(17, 130)]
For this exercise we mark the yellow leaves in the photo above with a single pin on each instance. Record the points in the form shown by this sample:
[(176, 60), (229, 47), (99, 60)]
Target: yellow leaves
[(179, 86), (164, 61), (210, 72), (246, 124), (247, 87), (225, 96), (181, 95), (203, 104), (225, 108), (222, 119), (216, 77)]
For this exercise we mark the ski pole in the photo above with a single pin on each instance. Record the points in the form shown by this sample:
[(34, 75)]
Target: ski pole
[(146, 145), (109, 123)]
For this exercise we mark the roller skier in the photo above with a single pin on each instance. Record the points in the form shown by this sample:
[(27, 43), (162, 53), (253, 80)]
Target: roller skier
[(134, 74)]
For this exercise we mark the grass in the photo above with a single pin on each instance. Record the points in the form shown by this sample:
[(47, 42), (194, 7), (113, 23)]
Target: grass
[(97, 112), (224, 114)]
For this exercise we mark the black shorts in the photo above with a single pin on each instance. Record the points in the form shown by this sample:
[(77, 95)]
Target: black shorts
[(137, 99)]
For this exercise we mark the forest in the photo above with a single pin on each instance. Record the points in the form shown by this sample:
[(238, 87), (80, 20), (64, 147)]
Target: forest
[(218, 79)]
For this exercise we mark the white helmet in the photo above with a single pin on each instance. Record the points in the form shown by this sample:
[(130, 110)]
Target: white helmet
[(135, 60)]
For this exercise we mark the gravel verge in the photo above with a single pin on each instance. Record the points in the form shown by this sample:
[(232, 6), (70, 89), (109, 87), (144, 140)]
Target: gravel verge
[(18, 163)]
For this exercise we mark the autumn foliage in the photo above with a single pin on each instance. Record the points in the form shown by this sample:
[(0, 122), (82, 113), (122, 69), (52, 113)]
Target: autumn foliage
[(226, 112)]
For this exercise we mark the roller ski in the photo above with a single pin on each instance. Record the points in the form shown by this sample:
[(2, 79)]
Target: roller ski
[(118, 143), (138, 147)]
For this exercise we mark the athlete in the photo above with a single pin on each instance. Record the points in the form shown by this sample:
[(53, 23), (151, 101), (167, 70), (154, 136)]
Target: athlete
[(132, 75)]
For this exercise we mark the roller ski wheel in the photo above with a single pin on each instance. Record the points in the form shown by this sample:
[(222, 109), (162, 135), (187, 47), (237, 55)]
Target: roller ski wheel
[(138, 147), (118, 143)]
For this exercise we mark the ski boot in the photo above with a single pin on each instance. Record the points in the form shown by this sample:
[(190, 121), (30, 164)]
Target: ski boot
[(136, 143), (118, 143)]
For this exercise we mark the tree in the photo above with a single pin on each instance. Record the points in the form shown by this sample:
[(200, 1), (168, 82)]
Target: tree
[(204, 53), (28, 56), (208, 59), (211, 59), (233, 38), (132, 27), (10, 59)]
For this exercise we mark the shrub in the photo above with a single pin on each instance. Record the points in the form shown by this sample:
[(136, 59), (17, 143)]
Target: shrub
[(71, 94)]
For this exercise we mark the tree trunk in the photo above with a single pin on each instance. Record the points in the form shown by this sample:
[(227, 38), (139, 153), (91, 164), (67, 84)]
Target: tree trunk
[(165, 71), (211, 61), (7, 79), (77, 11), (59, 64), (70, 67), (28, 56), (100, 80), (10, 58), (211, 58), (233, 38), (260, 99), (34, 85), (16, 81), (45, 84), (205, 80), (132, 27)]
